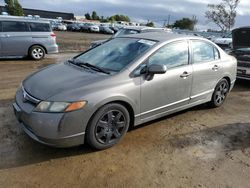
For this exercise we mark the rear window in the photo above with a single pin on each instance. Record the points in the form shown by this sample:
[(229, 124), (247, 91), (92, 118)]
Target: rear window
[(40, 27), (13, 26)]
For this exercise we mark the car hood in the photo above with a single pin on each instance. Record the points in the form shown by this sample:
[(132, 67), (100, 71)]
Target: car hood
[(59, 78), (241, 38)]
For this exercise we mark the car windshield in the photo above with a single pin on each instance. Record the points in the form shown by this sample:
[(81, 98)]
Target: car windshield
[(116, 54), (122, 32)]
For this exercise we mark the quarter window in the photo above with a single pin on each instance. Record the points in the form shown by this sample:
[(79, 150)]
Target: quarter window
[(204, 52), (172, 55), (11, 26), (40, 27)]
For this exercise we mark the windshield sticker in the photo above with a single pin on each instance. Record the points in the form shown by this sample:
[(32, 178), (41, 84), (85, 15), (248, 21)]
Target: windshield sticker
[(148, 42)]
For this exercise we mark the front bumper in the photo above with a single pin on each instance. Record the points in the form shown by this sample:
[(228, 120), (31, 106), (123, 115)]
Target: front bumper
[(243, 73), (53, 129)]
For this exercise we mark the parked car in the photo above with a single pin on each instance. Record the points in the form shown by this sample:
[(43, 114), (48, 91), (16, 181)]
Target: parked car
[(241, 50), (224, 42), (128, 31), (73, 27), (106, 30), (62, 27), (127, 81), (26, 37), (90, 27)]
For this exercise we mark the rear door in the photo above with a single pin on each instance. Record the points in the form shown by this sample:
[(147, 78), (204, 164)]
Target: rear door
[(207, 69), (15, 38), (41, 34)]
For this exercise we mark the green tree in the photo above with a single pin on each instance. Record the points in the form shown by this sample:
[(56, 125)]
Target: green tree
[(150, 24), (185, 23), (14, 7), (95, 16), (87, 16), (118, 17), (223, 14)]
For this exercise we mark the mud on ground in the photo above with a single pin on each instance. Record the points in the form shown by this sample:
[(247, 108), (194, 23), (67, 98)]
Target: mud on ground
[(200, 147)]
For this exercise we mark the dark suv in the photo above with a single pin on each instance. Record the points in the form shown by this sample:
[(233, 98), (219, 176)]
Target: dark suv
[(241, 50)]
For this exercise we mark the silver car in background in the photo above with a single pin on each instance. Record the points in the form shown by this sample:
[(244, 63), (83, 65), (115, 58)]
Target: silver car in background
[(26, 37), (127, 81)]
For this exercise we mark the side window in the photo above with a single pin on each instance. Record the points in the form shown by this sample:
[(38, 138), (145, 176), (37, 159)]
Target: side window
[(216, 54), (204, 52), (172, 55), (0, 26), (12, 26), (39, 27)]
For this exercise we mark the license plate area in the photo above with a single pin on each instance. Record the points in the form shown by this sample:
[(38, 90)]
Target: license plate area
[(17, 111), (241, 71)]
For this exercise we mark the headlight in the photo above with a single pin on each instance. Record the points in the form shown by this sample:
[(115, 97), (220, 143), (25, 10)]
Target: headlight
[(59, 106)]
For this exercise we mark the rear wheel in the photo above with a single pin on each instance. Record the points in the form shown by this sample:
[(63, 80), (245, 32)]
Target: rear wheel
[(37, 52), (220, 93), (108, 126)]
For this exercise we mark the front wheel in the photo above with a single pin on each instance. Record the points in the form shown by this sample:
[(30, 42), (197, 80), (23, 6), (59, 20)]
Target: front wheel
[(108, 126), (220, 93), (37, 52)]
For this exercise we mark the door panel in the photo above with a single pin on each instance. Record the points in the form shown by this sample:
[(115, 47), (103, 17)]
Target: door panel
[(207, 70), (170, 90), (16, 39), (165, 92)]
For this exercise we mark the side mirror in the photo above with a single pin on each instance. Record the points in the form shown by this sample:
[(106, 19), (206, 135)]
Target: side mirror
[(157, 69)]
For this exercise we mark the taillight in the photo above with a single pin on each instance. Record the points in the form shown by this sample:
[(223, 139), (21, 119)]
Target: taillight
[(53, 35)]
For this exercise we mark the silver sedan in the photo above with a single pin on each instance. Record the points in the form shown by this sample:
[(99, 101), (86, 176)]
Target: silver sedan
[(96, 96)]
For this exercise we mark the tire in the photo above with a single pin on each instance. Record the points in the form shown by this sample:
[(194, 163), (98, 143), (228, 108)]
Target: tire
[(220, 93), (108, 126), (36, 52)]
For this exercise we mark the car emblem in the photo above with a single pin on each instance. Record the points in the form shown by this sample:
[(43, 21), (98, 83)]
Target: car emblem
[(24, 96)]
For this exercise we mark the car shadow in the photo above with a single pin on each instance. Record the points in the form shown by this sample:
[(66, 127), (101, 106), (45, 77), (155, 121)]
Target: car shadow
[(241, 85), (226, 138)]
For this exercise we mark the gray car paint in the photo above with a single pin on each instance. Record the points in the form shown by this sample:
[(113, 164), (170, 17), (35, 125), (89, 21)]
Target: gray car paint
[(19, 43), (64, 82)]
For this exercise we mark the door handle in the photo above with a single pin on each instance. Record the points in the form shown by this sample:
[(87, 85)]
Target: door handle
[(185, 75), (215, 68)]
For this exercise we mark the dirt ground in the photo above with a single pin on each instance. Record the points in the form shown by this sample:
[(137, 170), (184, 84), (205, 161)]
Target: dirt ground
[(76, 41), (197, 148)]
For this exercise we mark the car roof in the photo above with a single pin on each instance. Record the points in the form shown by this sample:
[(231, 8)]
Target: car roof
[(239, 28), (141, 28), (160, 36), (24, 19)]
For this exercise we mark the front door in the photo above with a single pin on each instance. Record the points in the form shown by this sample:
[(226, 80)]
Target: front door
[(169, 91)]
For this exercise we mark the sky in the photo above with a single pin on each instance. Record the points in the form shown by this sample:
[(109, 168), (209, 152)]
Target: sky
[(141, 10)]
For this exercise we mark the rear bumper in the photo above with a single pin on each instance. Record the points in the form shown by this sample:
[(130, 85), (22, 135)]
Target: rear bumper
[(52, 49)]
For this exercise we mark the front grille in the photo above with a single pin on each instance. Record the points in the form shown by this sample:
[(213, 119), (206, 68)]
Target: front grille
[(244, 64), (28, 98)]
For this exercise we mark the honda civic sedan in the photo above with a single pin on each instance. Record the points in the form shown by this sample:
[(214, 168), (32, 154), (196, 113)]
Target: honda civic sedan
[(96, 96)]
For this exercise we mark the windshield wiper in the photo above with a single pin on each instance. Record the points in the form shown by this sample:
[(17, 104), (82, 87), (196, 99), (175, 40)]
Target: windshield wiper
[(88, 65)]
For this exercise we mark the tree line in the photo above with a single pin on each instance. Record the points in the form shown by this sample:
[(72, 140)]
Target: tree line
[(116, 17), (223, 15)]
